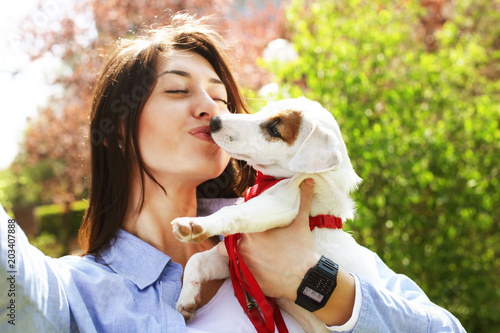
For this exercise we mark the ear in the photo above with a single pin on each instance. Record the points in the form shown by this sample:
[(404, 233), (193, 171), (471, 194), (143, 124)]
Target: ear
[(319, 152)]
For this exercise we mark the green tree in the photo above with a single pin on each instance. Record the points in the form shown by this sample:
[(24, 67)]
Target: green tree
[(422, 124)]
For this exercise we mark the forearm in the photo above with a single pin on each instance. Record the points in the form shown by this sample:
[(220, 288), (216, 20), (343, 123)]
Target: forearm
[(32, 298), (338, 309), (394, 303)]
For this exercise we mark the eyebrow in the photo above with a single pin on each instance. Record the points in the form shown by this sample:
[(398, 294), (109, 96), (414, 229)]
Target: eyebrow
[(188, 75)]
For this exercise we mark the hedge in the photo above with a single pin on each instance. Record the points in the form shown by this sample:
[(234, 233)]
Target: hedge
[(50, 219), (423, 131)]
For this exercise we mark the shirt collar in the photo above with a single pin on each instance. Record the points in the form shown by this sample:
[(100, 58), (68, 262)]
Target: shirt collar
[(135, 259), (141, 262)]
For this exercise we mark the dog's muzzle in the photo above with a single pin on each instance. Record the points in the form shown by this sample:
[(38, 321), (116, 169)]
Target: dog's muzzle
[(215, 124)]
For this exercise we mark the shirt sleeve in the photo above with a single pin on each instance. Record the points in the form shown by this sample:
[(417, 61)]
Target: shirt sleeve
[(33, 299), (358, 300), (392, 302)]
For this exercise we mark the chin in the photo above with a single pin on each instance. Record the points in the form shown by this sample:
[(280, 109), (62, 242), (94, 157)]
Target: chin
[(216, 172), (212, 169)]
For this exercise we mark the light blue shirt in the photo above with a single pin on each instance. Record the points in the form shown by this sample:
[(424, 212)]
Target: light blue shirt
[(394, 303), (133, 287)]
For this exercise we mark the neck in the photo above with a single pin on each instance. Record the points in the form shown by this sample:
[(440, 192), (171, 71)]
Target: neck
[(152, 222)]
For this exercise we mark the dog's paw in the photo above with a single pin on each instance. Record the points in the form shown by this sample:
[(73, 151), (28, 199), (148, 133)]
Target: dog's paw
[(189, 300), (189, 229), (187, 311)]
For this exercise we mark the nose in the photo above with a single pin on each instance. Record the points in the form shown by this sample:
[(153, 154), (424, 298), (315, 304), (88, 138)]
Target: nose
[(215, 124), (206, 106)]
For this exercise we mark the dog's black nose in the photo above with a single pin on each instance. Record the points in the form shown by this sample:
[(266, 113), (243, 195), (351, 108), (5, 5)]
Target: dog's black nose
[(215, 124)]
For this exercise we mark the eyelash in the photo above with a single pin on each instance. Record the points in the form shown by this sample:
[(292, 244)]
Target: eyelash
[(185, 92), (222, 100), (176, 91)]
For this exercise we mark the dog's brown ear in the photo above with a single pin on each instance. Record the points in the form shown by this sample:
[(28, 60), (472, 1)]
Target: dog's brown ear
[(320, 151)]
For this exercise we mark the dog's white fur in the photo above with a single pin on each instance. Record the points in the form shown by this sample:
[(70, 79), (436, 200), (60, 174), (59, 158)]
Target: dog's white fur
[(316, 151)]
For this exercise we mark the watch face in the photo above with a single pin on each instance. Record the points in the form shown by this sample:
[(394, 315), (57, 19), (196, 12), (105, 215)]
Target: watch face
[(312, 294), (317, 285)]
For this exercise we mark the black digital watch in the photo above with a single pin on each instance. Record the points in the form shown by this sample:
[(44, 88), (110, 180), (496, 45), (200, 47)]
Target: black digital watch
[(317, 285)]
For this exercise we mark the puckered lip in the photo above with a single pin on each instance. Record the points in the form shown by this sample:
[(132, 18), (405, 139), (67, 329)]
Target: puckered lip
[(202, 133)]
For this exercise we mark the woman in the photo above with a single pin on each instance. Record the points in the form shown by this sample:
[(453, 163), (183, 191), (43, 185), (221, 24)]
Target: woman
[(153, 160)]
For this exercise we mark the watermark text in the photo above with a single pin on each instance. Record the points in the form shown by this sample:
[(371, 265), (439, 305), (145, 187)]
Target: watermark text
[(11, 271)]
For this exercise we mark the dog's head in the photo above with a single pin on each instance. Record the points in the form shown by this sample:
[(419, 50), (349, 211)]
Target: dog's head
[(286, 138)]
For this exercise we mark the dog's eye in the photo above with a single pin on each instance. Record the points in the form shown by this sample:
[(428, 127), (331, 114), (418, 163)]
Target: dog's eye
[(273, 131)]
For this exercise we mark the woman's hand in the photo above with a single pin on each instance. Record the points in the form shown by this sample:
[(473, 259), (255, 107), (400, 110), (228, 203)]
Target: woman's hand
[(279, 258)]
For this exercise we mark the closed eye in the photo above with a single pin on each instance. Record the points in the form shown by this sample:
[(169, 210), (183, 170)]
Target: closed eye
[(221, 100), (178, 91)]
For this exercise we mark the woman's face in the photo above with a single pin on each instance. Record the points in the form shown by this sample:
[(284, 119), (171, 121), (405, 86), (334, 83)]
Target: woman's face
[(174, 134)]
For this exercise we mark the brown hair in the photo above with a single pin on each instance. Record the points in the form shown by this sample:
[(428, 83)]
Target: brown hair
[(124, 86)]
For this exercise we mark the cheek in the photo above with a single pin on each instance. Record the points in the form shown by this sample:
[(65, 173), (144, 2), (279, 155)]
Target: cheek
[(156, 135), (147, 129)]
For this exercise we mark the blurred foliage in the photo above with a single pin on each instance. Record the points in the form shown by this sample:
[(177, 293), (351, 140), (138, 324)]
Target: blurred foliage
[(50, 219), (422, 126), (22, 184), (48, 244), (6, 180)]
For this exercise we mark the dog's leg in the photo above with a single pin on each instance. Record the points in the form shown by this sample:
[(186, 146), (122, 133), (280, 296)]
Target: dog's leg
[(202, 266), (269, 210)]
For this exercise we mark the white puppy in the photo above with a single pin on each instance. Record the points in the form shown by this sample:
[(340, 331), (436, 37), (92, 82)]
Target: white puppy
[(292, 139)]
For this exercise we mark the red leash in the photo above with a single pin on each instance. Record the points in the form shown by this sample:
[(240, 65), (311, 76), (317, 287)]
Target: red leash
[(244, 283)]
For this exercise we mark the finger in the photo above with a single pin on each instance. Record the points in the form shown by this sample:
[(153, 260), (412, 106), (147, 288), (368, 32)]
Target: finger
[(306, 196), (221, 249)]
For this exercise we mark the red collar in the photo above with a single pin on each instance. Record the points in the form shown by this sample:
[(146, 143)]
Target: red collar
[(263, 182)]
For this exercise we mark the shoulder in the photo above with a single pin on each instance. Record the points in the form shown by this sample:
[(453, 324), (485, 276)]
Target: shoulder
[(86, 265), (108, 296), (83, 277)]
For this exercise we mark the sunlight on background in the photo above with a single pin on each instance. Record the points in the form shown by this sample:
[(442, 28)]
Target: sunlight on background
[(25, 84), (22, 83)]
